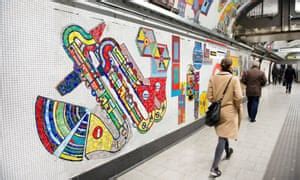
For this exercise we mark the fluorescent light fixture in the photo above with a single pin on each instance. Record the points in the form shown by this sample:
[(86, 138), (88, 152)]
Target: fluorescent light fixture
[(287, 50)]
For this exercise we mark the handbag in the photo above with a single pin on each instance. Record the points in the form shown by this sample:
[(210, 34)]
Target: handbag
[(214, 110)]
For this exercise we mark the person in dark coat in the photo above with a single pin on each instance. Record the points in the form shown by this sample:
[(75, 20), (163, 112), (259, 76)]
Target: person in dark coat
[(254, 79), (275, 74), (289, 76), (281, 71)]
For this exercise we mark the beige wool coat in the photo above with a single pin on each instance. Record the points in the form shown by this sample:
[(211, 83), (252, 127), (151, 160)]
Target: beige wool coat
[(231, 108)]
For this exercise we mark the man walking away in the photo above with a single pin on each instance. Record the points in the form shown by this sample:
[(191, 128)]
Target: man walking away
[(289, 76), (281, 71), (275, 74), (254, 79)]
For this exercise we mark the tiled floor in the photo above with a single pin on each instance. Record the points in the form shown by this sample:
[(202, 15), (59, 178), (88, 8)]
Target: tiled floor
[(191, 158)]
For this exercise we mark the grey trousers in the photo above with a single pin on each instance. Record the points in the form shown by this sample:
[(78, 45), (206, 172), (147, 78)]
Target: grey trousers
[(223, 144)]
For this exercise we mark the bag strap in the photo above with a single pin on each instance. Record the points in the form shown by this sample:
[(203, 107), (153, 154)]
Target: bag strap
[(226, 88)]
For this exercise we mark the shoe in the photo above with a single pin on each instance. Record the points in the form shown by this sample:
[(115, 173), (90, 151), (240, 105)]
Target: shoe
[(228, 155), (252, 120), (215, 172)]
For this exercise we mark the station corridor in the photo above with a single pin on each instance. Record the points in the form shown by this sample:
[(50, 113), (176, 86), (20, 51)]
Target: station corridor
[(118, 89), (191, 158)]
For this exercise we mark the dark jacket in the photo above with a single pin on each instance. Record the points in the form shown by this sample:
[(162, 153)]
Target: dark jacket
[(254, 79), (290, 74)]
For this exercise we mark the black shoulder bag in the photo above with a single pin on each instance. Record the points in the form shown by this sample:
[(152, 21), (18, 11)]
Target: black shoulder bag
[(214, 110)]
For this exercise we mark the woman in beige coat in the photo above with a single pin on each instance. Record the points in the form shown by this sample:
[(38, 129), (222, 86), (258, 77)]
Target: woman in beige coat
[(231, 111)]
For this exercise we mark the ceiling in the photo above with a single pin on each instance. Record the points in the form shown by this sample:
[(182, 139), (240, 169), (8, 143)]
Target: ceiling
[(274, 24)]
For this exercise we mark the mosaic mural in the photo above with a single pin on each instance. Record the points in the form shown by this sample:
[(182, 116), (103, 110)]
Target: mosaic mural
[(221, 5), (226, 11), (181, 109), (192, 88), (205, 6), (189, 2), (196, 94), (67, 131), (235, 65), (159, 65), (190, 83), (121, 92), (175, 66), (146, 43), (206, 58), (181, 7), (203, 103), (152, 90), (227, 15), (197, 55), (198, 7)]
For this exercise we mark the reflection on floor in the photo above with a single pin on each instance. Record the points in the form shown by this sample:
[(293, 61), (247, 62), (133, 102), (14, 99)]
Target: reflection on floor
[(191, 158)]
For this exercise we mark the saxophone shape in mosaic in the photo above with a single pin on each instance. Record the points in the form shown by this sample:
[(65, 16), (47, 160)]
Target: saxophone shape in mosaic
[(122, 96)]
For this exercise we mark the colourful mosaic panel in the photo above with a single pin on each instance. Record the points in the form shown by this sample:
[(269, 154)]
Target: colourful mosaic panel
[(197, 55), (175, 66), (72, 132), (206, 6)]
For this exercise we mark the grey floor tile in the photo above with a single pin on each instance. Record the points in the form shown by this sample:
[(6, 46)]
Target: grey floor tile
[(135, 175), (170, 175)]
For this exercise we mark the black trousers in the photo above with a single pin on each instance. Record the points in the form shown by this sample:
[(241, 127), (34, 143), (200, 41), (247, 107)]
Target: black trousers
[(275, 80), (289, 86)]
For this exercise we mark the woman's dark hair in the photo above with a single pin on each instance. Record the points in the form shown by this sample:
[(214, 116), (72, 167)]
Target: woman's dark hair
[(226, 64)]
